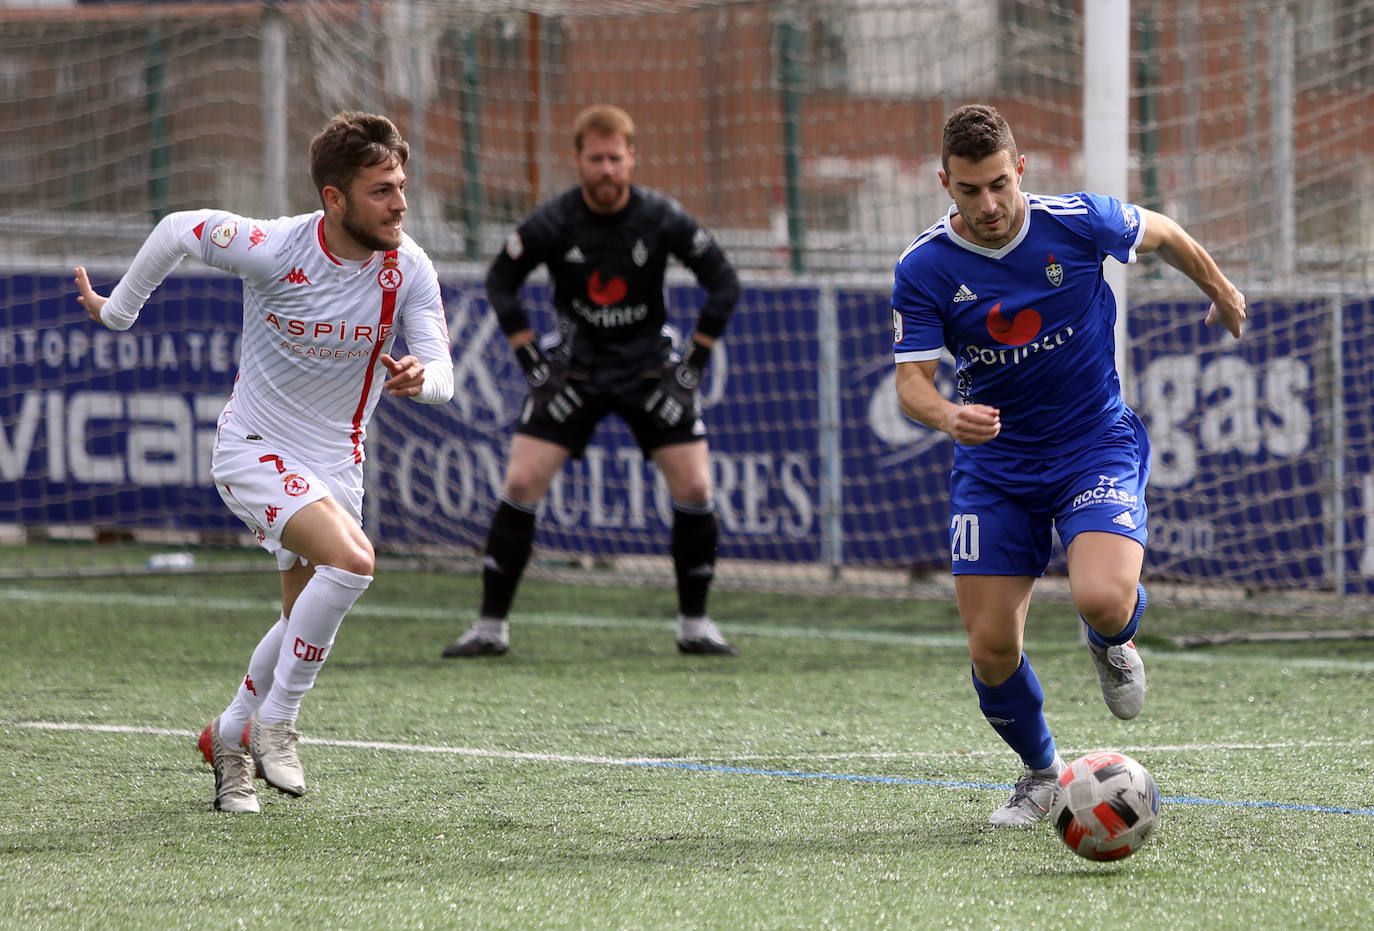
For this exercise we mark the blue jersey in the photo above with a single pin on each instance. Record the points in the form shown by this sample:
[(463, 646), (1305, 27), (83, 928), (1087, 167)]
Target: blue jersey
[(1030, 325)]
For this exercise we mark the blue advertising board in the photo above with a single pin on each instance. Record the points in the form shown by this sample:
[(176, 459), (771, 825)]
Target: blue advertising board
[(1239, 458), (112, 429), (1262, 469)]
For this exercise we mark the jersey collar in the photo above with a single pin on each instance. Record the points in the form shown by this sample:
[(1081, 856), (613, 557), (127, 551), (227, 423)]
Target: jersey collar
[(984, 250), (342, 263)]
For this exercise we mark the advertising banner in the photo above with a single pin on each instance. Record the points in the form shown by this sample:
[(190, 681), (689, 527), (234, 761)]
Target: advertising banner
[(1262, 468)]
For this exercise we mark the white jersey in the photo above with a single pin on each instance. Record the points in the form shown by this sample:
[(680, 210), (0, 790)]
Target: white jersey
[(314, 324)]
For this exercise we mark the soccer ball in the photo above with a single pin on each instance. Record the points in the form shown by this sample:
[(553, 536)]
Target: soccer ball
[(1106, 806)]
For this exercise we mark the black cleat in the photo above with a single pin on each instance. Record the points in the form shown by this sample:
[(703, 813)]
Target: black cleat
[(703, 645), (473, 643)]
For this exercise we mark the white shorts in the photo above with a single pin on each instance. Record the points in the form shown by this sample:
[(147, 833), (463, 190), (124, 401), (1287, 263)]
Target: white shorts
[(265, 484)]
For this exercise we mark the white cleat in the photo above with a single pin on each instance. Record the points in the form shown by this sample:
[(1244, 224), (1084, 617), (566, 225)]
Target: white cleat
[(274, 751), (701, 635), (1122, 674), (1031, 797), (233, 776)]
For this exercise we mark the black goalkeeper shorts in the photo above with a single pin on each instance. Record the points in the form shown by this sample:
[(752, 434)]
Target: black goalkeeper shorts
[(575, 432)]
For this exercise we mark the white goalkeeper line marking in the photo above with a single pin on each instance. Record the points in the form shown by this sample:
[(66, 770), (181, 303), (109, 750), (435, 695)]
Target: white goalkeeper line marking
[(777, 631), (716, 768)]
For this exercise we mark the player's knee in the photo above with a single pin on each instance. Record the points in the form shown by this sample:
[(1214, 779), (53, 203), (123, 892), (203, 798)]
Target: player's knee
[(1105, 609), (524, 487), (691, 492), (358, 558), (994, 662)]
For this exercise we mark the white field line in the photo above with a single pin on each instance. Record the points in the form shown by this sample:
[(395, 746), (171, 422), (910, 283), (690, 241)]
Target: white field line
[(392, 746), (953, 640), (701, 767)]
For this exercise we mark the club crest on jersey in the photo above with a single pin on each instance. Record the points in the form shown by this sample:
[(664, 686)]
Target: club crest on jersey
[(1054, 272), (224, 234), (389, 278), (640, 253), (294, 485)]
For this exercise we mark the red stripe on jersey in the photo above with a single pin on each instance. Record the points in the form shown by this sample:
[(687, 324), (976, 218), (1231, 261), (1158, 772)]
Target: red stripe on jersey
[(319, 233), (384, 324), (324, 247), (199, 230)]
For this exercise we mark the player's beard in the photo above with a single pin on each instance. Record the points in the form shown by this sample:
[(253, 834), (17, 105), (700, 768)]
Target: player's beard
[(606, 194), (977, 226), (368, 238)]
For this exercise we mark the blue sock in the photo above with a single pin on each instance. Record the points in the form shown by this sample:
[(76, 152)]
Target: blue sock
[(1014, 709), (1128, 631)]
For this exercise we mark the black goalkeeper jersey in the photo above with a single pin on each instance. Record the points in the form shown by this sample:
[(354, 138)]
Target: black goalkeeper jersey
[(607, 273)]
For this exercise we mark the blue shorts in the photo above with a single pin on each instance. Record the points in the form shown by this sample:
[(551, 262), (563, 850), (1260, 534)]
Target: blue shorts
[(1002, 521)]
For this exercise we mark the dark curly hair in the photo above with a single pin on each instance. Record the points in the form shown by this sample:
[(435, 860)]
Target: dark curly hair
[(350, 142), (974, 132)]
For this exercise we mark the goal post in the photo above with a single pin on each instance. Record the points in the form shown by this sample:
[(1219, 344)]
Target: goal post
[(1106, 130)]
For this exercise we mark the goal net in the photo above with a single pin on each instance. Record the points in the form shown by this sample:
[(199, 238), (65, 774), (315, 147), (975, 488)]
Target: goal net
[(806, 135)]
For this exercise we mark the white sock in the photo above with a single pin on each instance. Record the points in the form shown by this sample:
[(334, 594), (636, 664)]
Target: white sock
[(315, 619), (691, 628), (492, 629), (254, 687)]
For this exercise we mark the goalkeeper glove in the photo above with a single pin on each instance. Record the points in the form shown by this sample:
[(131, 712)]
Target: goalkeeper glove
[(675, 399), (549, 391)]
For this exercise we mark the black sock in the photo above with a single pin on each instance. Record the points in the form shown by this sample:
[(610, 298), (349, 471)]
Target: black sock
[(509, 542), (695, 533)]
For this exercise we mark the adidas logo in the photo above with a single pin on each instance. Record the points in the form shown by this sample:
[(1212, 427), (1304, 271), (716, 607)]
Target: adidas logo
[(574, 255), (1124, 519), (964, 294)]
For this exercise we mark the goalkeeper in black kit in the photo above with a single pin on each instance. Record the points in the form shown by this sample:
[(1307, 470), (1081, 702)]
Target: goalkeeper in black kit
[(606, 245)]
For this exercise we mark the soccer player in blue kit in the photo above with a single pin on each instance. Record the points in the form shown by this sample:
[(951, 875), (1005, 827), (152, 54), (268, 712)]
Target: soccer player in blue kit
[(1011, 283)]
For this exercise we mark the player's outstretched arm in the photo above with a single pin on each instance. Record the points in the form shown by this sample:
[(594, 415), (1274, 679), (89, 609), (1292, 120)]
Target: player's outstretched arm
[(172, 239), (1177, 248), (88, 298)]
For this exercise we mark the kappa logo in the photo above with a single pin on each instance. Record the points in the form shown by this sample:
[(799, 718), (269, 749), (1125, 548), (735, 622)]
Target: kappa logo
[(248, 684), (574, 256), (1017, 331), (296, 276), (606, 293), (1124, 520), (964, 294), (271, 512), (1054, 272), (256, 236)]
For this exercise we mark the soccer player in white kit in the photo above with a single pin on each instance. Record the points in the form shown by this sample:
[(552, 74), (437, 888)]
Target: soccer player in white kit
[(324, 295)]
